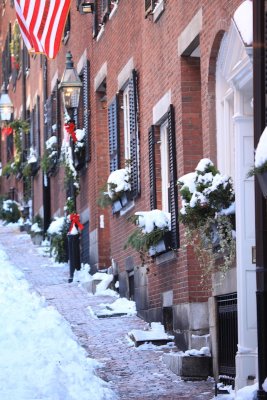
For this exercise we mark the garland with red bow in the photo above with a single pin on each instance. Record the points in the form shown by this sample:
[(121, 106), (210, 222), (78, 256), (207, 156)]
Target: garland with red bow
[(70, 128), (7, 130), (75, 220)]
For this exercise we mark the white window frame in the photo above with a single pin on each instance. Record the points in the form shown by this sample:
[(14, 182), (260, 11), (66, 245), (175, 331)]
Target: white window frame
[(165, 170), (126, 124)]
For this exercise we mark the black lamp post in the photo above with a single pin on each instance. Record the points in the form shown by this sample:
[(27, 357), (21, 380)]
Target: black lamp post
[(70, 86)]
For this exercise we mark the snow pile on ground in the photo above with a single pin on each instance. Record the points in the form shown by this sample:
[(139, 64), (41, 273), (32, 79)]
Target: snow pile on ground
[(246, 393), (83, 275), (39, 357), (120, 306)]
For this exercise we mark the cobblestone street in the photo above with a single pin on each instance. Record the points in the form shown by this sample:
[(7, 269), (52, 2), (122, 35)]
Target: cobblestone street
[(132, 373)]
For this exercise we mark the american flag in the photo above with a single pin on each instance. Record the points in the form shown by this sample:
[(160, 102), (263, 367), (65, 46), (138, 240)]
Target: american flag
[(41, 23)]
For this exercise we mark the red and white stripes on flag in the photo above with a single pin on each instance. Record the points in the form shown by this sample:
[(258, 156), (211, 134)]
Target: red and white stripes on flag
[(42, 23)]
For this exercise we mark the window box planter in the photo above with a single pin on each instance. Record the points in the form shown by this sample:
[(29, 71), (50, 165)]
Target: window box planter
[(164, 245), (262, 179)]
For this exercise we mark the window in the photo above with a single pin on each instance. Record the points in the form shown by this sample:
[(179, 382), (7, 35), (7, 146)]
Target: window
[(6, 58), (66, 32), (82, 119), (165, 167), (123, 131), (162, 171)]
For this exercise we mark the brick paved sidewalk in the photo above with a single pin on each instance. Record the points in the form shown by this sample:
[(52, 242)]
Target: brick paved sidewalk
[(132, 373)]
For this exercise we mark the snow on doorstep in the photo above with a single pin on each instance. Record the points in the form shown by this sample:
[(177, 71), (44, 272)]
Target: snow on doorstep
[(148, 220), (243, 20), (261, 153), (120, 179), (156, 332), (40, 358), (120, 306), (56, 226), (104, 284)]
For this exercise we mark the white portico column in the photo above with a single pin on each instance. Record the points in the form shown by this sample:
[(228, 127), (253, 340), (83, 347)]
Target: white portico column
[(246, 357)]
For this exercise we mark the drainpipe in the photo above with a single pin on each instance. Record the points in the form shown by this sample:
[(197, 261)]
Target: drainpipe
[(260, 121)]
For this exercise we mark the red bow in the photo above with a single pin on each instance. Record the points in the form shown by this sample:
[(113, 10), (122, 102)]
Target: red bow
[(7, 130), (70, 128), (75, 220)]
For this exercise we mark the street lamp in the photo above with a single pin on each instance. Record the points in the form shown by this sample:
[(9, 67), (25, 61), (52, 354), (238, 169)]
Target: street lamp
[(6, 105), (70, 85)]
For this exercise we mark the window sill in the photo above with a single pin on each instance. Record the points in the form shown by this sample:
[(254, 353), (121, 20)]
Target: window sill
[(165, 257), (113, 11), (128, 207)]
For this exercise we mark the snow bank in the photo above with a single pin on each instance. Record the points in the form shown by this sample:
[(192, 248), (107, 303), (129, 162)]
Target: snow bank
[(40, 358), (104, 284)]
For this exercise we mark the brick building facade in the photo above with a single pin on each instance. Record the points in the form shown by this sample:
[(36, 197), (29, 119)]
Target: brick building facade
[(149, 76)]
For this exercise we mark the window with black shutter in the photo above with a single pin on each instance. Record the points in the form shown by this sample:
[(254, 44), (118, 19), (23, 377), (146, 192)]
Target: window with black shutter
[(163, 171), (36, 127), (6, 58), (149, 7), (83, 112), (66, 33), (10, 147), (134, 134), (114, 134), (55, 116)]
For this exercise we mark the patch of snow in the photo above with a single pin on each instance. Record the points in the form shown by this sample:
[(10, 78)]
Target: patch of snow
[(204, 351), (244, 21), (228, 211), (52, 141), (36, 228), (261, 153), (118, 181), (80, 134), (188, 180), (56, 226), (120, 306), (149, 220), (157, 332), (104, 284), (203, 164), (83, 275), (264, 385)]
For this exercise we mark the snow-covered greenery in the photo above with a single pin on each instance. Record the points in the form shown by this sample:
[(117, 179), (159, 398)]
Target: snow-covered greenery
[(260, 164), (151, 228), (71, 175), (50, 156), (9, 211), (118, 183), (208, 215), (57, 233)]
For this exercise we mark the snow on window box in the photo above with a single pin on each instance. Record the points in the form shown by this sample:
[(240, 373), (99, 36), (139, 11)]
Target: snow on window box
[(152, 235), (117, 191), (207, 213), (260, 164)]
